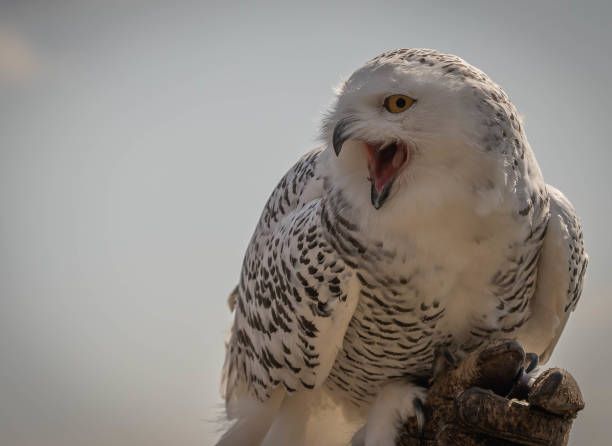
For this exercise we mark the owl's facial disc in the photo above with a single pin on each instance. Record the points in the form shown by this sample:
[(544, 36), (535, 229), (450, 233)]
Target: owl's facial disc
[(384, 162)]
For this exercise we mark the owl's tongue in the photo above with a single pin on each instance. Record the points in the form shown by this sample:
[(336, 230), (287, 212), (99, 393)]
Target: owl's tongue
[(384, 163)]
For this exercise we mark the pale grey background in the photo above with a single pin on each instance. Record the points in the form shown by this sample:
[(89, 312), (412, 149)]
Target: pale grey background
[(140, 140)]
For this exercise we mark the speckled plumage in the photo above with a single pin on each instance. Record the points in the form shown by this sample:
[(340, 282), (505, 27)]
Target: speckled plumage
[(338, 297)]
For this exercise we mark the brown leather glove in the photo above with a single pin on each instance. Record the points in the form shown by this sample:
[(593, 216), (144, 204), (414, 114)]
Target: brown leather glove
[(488, 399)]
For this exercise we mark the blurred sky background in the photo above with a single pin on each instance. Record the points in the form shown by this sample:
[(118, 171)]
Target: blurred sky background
[(139, 141)]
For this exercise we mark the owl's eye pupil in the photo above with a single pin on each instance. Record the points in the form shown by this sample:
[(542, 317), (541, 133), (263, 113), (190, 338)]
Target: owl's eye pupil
[(397, 103)]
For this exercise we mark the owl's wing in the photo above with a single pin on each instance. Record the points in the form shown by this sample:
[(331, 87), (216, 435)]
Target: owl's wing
[(294, 299), (561, 269)]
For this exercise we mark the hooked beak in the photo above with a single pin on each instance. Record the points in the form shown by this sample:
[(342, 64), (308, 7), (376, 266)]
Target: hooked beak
[(341, 133)]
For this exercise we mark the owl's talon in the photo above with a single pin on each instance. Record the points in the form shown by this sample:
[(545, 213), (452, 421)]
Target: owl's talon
[(444, 360), (532, 360), (419, 413), (450, 358)]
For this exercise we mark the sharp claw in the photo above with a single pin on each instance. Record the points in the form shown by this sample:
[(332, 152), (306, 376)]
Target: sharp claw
[(533, 360), (450, 358), (521, 386), (444, 361), (419, 412)]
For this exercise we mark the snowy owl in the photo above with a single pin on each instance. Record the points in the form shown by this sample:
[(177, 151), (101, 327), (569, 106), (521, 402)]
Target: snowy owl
[(421, 224)]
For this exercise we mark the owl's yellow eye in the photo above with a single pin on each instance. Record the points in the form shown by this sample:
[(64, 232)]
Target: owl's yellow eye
[(397, 103)]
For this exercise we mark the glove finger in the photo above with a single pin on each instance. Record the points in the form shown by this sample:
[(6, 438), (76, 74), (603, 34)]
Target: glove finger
[(499, 366), (494, 367), (556, 391), (497, 417)]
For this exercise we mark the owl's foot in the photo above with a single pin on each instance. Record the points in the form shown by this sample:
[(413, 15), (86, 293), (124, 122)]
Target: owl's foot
[(396, 403)]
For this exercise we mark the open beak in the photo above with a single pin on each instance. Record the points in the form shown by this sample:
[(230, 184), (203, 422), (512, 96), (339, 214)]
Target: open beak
[(384, 162)]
